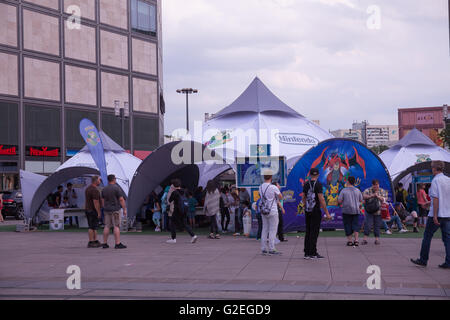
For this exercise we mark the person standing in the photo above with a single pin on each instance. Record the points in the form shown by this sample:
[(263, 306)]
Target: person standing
[(1, 208), (72, 197), (423, 204), (93, 212), (439, 216), (313, 201), (244, 197), (113, 199), (401, 194), (268, 207), (192, 203), (374, 198), (177, 215), (351, 200), (156, 215), (211, 208), (281, 213), (165, 209), (225, 209), (57, 197)]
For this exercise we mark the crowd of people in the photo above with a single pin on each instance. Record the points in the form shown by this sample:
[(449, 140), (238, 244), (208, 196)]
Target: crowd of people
[(175, 209)]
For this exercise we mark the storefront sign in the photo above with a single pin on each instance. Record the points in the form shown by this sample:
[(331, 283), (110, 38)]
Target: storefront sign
[(42, 152), (425, 118), (8, 150)]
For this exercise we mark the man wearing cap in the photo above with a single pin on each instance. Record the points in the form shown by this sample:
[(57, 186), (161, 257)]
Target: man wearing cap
[(270, 194), (313, 200)]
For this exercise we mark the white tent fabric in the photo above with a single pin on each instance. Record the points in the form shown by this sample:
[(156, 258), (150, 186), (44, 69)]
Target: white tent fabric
[(257, 116), (118, 162), (30, 182), (414, 148)]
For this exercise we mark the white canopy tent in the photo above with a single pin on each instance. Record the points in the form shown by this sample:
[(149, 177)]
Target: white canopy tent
[(414, 148), (257, 116), (118, 162)]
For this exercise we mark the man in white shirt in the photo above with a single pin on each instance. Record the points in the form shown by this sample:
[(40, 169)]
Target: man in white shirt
[(439, 216), (269, 194)]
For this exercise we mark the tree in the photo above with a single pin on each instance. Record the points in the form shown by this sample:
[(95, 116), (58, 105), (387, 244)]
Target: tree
[(379, 149)]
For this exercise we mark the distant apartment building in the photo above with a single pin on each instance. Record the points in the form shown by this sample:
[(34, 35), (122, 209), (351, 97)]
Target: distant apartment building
[(371, 135), (65, 60), (429, 120)]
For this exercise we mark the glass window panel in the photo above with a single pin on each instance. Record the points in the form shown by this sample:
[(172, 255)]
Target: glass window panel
[(146, 133), (74, 140), (42, 126), (9, 123), (111, 126), (143, 17)]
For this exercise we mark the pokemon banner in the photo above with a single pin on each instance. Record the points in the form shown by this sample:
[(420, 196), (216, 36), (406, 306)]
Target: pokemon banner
[(336, 159)]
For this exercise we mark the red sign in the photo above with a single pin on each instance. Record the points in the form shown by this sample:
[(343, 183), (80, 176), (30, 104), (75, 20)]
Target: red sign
[(42, 152), (8, 150)]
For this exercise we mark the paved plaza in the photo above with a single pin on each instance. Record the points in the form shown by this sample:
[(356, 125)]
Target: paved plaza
[(34, 266)]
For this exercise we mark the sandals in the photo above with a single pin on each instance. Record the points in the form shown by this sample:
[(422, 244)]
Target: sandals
[(364, 243), (217, 236), (211, 237), (349, 244), (356, 244)]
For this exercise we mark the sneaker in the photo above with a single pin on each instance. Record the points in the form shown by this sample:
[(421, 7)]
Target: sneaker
[(388, 232), (157, 229), (194, 239), (91, 244), (275, 252), (444, 266), (236, 234), (105, 246), (364, 243), (403, 231), (415, 230), (317, 256), (277, 241), (264, 252), (307, 257), (217, 236), (284, 240), (418, 262), (171, 241), (120, 246), (377, 242)]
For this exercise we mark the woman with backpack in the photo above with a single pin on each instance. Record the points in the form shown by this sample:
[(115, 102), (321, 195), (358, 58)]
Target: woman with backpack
[(211, 208), (373, 199)]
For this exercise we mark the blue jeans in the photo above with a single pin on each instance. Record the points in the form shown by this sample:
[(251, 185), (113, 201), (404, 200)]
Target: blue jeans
[(430, 229), (394, 219), (374, 221)]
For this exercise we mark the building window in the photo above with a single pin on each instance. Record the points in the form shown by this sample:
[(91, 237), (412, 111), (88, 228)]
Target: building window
[(145, 134), (42, 126), (74, 140), (9, 124), (143, 17), (111, 126)]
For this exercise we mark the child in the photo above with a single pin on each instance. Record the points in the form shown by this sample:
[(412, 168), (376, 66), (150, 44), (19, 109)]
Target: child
[(157, 216), (65, 203), (247, 218), (192, 203)]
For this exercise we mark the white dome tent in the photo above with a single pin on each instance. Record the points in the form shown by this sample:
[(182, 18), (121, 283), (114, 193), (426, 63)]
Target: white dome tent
[(411, 150), (273, 122), (118, 162)]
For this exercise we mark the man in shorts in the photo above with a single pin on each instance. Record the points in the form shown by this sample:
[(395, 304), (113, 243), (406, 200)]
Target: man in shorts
[(113, 199), (93, 213)]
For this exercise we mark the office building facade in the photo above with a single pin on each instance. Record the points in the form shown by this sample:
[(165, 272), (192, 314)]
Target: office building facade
[(65, 60)]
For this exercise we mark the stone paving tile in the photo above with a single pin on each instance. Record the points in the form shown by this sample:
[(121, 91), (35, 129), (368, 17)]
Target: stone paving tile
[(415, 292)]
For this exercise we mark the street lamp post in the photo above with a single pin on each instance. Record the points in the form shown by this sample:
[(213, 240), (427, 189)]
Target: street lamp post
[(122, 113), (187, 92)]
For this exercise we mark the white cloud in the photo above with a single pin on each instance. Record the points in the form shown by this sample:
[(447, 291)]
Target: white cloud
[(318, 56)]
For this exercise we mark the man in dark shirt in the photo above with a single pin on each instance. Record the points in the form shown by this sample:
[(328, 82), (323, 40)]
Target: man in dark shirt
[(57, 197), (93, 213), (113, 199), (312, 202), (178, 216)]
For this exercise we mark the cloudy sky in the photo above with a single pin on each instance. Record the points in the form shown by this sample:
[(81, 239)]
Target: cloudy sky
[(318, 56)]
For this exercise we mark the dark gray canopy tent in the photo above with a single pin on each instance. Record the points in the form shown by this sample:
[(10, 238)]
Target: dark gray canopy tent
[(52, 182), (420, 167), (159, 168)]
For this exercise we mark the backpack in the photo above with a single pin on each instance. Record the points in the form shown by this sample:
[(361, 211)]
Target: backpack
[(264, 207), (372, 205), (311, 197)]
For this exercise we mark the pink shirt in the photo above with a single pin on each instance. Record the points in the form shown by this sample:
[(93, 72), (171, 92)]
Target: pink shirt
[(421, 197)]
